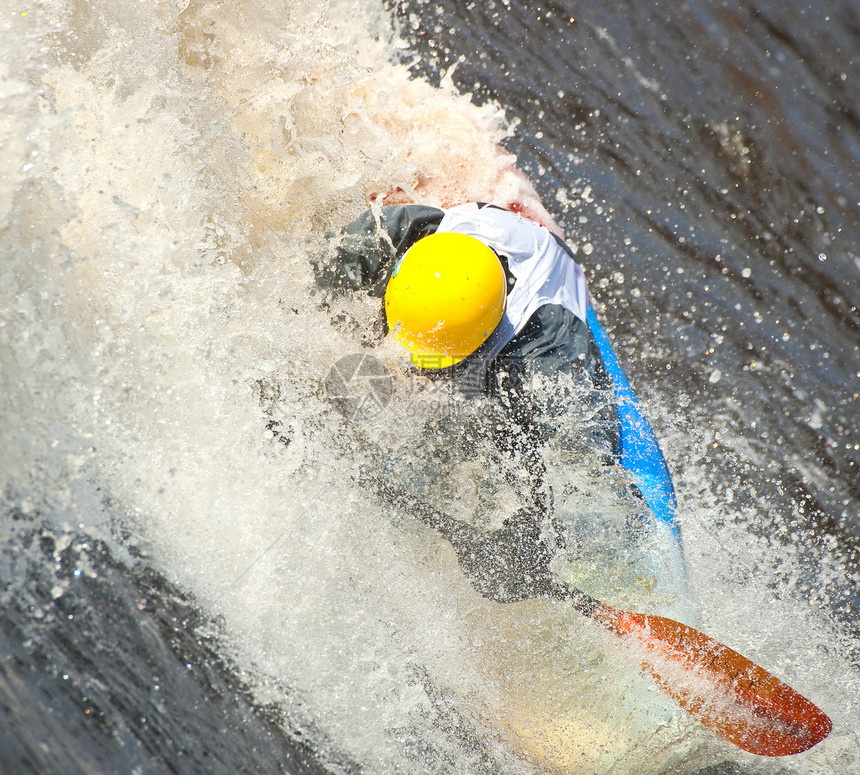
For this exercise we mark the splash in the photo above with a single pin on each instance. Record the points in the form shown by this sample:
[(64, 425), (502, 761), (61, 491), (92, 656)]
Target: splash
[(172, 173)]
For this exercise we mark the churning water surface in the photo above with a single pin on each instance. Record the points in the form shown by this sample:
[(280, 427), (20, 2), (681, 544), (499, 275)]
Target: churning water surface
[(195, 577)]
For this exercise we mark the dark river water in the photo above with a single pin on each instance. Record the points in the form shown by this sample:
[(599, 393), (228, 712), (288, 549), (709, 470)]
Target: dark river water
[(703, 156)]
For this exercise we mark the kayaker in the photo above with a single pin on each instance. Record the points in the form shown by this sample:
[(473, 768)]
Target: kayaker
[(486, 298), (526, 315)]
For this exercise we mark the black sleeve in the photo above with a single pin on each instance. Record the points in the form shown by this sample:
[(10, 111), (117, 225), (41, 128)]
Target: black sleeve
[(363, 254), (555, 341)]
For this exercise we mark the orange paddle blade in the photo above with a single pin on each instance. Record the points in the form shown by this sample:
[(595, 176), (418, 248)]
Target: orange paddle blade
[(723, 689)]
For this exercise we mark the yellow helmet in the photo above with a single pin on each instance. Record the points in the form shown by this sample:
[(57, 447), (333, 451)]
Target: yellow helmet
[(445, 298)]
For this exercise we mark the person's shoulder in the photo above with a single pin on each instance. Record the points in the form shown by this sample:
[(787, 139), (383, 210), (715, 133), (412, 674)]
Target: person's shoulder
[(364, 251)]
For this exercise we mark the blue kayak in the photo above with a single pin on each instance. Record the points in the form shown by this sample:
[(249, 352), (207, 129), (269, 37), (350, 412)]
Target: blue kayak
[(640, 451), (642, 457)]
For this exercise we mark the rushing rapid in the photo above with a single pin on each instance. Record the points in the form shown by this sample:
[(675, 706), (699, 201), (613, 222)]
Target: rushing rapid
[(196, 576)]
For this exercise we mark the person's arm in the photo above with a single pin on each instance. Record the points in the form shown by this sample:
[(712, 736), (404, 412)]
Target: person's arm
[(555, 341), (363, 254)]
